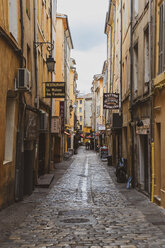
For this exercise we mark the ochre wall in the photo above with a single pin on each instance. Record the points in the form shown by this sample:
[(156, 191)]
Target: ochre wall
[(9, 63)]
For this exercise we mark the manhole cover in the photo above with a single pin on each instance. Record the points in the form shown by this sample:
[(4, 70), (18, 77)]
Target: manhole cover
[(158, 223), (75, 221), (74, 212), (82, 175)]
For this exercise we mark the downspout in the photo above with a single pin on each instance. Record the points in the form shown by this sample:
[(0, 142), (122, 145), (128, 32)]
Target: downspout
[(20, 129), (113, 46), (121, 40), (22, 31), (51, 102), (120, 95), (152, 169), (110, 86), (131, 93), (36, 55)]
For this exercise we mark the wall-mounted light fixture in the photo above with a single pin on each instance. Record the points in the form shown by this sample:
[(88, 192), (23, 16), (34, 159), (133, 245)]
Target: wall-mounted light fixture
[(49, 60)]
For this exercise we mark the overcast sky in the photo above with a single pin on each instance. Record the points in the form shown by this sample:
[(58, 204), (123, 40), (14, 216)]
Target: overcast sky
[(86, 22)]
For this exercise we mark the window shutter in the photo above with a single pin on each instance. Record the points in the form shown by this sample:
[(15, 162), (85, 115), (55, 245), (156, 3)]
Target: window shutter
[(13, 18), (161, 39)]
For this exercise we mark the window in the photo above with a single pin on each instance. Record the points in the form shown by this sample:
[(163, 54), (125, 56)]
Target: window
[(9, 134), (80, 127), (123, 15), (13, 18), (136, 7), (126, 74), (80, 101), (162, 38), (28, 8), (135, 67), (123, 78), (146, 56), (28, 58), (80, 110), (80, 118)]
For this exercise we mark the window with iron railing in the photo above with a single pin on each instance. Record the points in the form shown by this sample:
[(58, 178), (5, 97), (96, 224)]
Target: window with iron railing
[(161, 38)]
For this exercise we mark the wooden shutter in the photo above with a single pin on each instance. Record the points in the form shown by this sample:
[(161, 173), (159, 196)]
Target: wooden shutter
[(161, 38), (13, 29)]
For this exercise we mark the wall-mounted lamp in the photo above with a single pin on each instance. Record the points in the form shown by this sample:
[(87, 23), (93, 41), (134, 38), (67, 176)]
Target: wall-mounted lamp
[(50, 60)]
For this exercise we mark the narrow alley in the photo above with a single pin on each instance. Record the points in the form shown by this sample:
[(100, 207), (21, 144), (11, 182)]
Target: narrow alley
[(85, 208)]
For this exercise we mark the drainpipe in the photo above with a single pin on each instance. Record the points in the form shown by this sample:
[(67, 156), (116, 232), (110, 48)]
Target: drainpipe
[(51, 102), (22, 31), (110, 86), (121, 39), (36, 55), (151, 104), (131, 93), (20, 129), (120, 91), (113, 46)]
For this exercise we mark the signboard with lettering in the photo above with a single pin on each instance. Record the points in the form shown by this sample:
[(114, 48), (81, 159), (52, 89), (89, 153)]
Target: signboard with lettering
[(111, 101), (54, 89), (55, 124), (62, 115)]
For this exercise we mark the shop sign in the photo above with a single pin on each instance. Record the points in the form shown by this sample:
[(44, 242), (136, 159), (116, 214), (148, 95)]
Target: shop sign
[(62, 115), (55, 124), (54, 89), (102, 128), (111, 101), (31, 126), (145, 128)]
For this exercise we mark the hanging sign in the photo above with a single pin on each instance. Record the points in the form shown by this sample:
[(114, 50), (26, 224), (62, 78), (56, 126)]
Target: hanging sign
[(54, 89), (55, 124), (62, 115), (111, 101)]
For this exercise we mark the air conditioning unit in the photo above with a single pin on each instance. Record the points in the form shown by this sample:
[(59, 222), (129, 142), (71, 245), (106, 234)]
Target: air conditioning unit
[(43, 122), (23, 82)]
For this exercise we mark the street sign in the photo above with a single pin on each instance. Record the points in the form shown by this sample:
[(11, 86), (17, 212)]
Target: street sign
[(54, 89), (111, 101)]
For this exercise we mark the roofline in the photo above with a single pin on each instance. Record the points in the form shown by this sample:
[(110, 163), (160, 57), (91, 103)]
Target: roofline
[(107, 16), (63, 16)]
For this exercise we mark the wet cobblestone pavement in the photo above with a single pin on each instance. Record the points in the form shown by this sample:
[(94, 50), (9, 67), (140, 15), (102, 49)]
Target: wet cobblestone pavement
[(85, 209)]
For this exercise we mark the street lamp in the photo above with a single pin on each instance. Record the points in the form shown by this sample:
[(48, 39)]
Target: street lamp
[(50, 62)]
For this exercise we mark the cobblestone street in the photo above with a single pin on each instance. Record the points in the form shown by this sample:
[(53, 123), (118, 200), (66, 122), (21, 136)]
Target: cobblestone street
[(84, 208)]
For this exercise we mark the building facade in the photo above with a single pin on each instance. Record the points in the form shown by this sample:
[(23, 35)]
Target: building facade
[(23, 26), (62, 56), (158, 182)]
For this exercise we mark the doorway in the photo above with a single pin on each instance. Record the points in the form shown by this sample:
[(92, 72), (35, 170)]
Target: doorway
[(144, 162)]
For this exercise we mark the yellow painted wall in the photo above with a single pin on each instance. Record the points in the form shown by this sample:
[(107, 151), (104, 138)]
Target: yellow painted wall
[(9, 63), (159, 120), (72, 96), (80, 113)]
